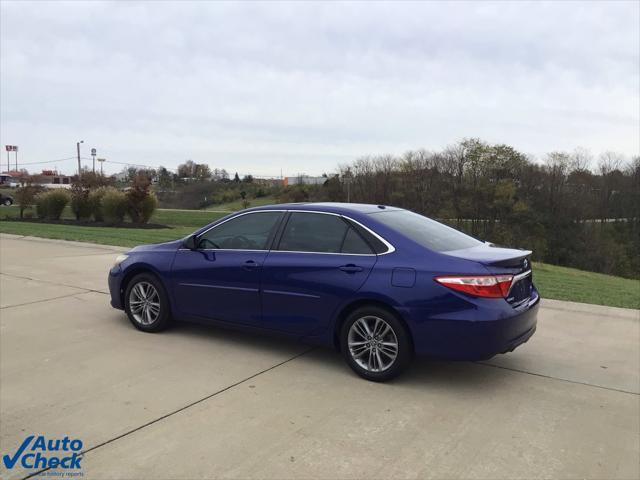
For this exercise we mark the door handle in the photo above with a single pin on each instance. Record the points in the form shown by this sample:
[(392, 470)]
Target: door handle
[(250, 265), (350, 268)]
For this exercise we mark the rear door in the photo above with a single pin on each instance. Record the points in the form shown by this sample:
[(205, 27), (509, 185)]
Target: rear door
[(318, 263)]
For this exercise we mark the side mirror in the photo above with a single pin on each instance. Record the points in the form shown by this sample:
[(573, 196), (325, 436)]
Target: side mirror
[(191, 242)]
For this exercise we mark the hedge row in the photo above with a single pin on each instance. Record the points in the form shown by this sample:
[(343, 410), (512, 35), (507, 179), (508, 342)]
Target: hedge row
[(104, 204)]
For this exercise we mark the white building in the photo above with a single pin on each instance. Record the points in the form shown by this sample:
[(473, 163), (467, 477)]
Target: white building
[(304, 180)]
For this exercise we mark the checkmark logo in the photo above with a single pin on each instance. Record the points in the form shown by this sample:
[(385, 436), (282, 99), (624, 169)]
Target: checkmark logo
[(10, 462)]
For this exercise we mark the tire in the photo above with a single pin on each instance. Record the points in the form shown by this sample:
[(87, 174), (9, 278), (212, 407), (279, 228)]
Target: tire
[(372, 358), (7, 202), (146, 303)]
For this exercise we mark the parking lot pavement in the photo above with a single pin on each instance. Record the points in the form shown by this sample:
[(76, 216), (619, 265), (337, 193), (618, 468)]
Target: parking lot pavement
[(201, 402)]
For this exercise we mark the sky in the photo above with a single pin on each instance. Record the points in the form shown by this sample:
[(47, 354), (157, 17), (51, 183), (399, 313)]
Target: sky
[(301, 87)]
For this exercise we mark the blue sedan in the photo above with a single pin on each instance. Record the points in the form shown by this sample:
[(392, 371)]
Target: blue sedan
[(378, 283)]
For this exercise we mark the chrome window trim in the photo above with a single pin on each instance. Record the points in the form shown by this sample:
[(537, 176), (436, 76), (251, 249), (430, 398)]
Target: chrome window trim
[(390, 247), (327, 253)]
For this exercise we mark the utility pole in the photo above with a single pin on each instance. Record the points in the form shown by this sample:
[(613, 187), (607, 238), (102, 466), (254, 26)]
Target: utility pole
[(347, 178), (79, 166), (349, 190), (11, 148), (93, 154)]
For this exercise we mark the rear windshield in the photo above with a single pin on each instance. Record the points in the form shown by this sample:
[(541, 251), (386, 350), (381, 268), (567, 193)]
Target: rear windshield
[(428, 233)]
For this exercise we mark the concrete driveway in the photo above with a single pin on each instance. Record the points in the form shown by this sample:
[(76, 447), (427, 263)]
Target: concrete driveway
[(199, 402)]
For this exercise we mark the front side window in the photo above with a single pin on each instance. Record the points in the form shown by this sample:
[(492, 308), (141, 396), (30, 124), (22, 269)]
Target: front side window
[(321, 233), (246, 232)]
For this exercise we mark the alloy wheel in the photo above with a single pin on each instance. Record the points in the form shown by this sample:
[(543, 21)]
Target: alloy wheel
[(372, 343), (144, 303)]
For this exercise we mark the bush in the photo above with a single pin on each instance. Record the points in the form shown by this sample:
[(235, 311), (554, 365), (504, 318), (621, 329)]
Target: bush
[(95, 202), (148, 206), (113, 206), (137, 199), (294, 194), (41, 205), (80, 204), (25, 196), (51, 204)]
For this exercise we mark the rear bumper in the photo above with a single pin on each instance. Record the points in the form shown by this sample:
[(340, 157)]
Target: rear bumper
[(457, 339)]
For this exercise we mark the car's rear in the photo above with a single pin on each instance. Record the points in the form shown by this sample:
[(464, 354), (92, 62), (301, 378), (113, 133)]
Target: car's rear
[(472, 300), (496, 311)]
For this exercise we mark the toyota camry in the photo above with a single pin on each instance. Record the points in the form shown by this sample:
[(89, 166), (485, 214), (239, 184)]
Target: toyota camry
[(378, 283)]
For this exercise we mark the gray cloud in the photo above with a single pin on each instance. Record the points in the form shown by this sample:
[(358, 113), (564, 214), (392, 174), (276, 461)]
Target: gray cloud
[(303, 86)]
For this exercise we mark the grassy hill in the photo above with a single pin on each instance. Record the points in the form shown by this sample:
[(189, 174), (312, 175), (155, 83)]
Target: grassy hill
[(562, 283)]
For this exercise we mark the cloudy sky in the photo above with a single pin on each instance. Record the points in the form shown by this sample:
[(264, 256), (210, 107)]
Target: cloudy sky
[(302, 87)]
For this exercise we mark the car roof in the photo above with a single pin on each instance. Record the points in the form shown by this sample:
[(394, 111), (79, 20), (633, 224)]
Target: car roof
[(331, 207)]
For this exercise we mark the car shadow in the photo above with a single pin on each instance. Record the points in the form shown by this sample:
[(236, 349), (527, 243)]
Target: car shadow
[(422, 373)]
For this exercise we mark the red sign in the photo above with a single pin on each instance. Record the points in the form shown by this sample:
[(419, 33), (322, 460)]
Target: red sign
[(11, 148)]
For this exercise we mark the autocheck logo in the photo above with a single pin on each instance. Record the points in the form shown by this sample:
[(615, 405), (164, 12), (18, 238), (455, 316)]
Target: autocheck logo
[(40, 452)]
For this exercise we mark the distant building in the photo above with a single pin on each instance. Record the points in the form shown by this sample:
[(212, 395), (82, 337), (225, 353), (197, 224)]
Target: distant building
[(52, 179), (121, 176), (304, 180), (268, 182), (7, 179), (47, 179)]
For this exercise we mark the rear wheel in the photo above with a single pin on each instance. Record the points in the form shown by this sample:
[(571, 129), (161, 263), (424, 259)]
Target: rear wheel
[(146, 303), (375, 344), (7, 202)]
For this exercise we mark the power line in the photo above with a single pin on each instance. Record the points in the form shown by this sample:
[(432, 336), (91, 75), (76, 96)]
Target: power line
[(47, 161)]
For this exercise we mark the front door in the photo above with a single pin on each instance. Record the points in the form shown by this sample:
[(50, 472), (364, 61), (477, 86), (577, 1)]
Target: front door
[(220, 279)]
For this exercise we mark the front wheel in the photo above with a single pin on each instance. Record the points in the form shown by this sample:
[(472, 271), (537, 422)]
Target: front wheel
[(146, 303), (375, 344)]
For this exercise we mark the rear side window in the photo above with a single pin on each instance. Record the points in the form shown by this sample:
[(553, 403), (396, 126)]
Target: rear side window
[(428, 233), (321, 233), (376, 244), (353, 243)]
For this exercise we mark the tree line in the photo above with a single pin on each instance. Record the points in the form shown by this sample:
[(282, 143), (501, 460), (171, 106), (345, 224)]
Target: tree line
[(571, 209)]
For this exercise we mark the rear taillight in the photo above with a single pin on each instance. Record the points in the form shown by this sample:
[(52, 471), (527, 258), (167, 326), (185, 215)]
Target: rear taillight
[(488, 286)]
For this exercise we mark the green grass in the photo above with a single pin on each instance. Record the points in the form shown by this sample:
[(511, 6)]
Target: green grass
[(555, 282), (237, 204), (162, 216), (562, 283), (185, 218), (182, 222), (125, 237)]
